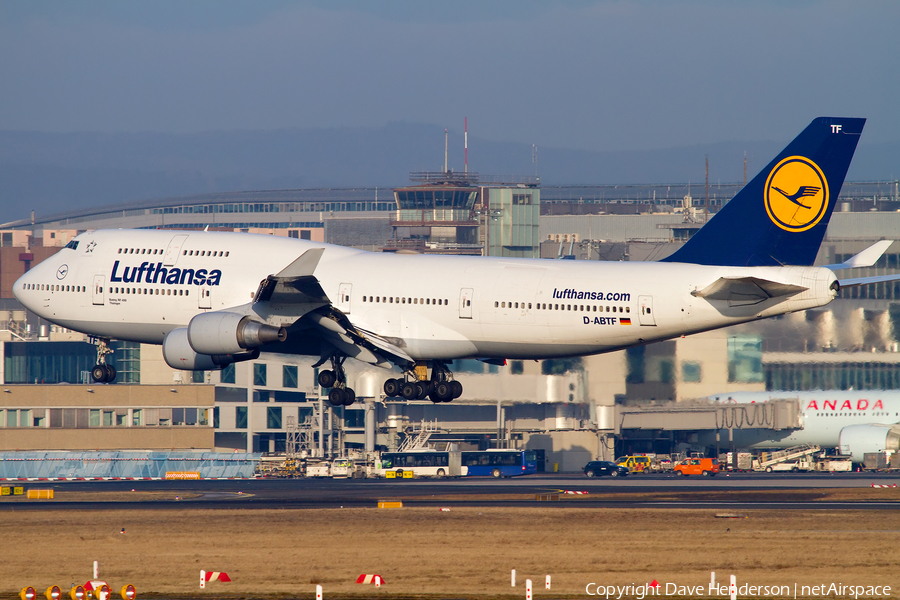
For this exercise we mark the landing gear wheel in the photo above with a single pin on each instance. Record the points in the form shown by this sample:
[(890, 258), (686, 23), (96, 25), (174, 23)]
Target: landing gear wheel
[(99, 374), (392, 387), (457, 388), (336, 396), (425, 388), (111, 373), (409, 390), (495, 473), (349, 397), (327, 378), (443, 392)]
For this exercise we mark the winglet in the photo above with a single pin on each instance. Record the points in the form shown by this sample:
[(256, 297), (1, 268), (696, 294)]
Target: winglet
[(305, 264), (295, 283), (866, 258)]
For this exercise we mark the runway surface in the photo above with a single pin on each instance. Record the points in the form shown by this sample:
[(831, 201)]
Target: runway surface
[(726, 491)]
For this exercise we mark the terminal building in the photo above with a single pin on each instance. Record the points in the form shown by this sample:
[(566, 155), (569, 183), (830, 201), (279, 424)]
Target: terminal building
[(573, 410)]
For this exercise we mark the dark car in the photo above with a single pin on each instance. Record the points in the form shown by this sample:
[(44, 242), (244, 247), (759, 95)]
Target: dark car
[(599, 468)]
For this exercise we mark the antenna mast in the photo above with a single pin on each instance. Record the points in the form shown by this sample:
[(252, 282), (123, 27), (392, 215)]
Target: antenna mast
[(445, 150), (706, 200), (466, 127)]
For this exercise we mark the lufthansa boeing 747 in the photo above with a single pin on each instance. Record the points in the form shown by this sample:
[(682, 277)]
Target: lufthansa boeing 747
[(211, 299)]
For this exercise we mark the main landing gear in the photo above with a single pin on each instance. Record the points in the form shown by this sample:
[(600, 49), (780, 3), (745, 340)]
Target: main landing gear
[(102, 372), (440, 388), (336, 379)]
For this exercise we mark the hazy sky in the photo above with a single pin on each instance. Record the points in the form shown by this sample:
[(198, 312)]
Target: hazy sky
[(588, 75)]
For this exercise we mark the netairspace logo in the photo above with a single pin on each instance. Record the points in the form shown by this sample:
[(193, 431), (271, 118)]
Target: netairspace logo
[(745, 590)]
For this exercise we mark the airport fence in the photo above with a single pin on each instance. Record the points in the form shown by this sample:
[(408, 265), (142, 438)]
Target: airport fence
[(125, 465)]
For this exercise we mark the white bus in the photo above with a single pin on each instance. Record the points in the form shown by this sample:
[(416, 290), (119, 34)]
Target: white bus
[(420, 463)]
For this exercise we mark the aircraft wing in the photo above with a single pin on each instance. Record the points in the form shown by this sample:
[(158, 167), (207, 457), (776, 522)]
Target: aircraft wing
[(295, 293), (745, 291)]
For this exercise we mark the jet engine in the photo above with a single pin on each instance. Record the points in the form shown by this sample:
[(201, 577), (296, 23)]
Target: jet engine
[(230, 333), (857, 440), (179, 354)]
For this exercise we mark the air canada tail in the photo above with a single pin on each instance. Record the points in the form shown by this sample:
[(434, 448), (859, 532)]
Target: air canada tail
[(780, 217)]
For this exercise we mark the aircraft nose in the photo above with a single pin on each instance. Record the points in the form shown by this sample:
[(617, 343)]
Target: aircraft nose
[(20, 289), (28, 288)]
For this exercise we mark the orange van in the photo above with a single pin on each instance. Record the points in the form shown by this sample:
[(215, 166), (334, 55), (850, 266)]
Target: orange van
[(708, 467)]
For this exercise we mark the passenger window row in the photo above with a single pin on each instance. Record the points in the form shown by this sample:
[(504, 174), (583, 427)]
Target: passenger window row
[(205, 253), (54, 287), (149, 291), (570, 307), (392, 300), (140, 251), (157, 251), (112, 290)]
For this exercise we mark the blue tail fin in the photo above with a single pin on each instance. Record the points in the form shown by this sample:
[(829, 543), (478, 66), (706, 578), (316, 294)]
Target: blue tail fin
[(780, 217)]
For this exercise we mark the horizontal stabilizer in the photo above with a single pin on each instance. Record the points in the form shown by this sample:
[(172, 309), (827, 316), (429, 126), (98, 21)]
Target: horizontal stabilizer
[(867, 280), (743, 291), (866, 258)]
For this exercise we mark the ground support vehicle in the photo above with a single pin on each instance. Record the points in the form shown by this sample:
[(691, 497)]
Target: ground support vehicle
[(707, 467), (797, 458), (835, 465), (319, 469), (342, 468), (744, 461), (636, 464)]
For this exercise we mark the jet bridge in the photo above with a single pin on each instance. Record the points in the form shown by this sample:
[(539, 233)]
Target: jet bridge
[(774, 415)]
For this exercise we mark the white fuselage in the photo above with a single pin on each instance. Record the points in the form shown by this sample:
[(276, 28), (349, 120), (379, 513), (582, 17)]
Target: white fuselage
[(138, 285), (823, 414)]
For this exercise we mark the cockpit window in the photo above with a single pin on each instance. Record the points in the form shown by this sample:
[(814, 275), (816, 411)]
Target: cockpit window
[(73, 245)]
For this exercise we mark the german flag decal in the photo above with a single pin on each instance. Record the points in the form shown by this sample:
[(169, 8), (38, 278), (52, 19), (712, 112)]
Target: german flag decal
[(625, 321)]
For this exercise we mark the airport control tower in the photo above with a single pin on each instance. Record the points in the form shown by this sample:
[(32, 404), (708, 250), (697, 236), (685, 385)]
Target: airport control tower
[(447, 212)]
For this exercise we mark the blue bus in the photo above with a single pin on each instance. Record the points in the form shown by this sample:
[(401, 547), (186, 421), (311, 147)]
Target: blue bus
[(499, 463)]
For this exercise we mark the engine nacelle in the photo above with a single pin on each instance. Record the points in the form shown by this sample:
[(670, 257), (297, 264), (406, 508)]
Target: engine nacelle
[(230, 333), (178, 354), (857, 440)]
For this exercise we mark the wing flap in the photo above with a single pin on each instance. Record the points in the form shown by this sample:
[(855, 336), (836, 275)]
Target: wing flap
[(358, 343)]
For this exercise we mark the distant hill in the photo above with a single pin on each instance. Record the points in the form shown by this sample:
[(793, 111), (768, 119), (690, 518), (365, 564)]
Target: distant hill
[(54, 172)]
